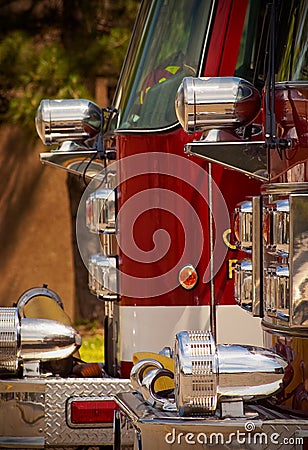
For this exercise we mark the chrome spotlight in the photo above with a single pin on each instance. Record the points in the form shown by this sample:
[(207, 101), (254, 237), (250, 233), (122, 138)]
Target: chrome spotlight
[(216, 102), (67, 120)]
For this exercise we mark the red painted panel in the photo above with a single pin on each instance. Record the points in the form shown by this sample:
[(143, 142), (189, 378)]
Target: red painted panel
[(218, 36), (233, 186), (233, 37), (225, 38)]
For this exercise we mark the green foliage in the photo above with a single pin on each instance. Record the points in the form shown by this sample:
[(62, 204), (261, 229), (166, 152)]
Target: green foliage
[(59, 57), (92, 349), (34, 72)]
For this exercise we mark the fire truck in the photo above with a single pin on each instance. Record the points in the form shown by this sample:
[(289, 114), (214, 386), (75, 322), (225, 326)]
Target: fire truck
[(208, 119)]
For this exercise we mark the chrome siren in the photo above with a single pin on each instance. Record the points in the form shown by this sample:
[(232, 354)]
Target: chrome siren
[(207, 374), (24, 343)]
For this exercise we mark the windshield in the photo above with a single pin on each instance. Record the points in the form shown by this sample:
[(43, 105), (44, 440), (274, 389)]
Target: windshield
[(167, 45), (291, 42)]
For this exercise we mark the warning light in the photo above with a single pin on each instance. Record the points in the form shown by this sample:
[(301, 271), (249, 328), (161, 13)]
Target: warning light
[(188, 277), (89, 411)]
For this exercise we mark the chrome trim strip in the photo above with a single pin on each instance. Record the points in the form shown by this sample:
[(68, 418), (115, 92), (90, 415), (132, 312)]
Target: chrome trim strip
[(256, 257), (78, 163)]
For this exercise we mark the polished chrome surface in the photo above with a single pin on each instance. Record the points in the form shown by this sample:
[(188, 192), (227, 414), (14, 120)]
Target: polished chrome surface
[(83, 163), (196, 372), (109, 244), (277, 233), (281, 227), (61, 120), (206, 374), (248, 157), (293, 397), (148, 391), (43, 291), (243, 225), (260, 427), (243, 285), (140, 368), (285, 252), (277, 292), (9, 340), (247, 230), (248, 372), (103, 276), (216, 102), (285, 286), (44, 340), (100, 211), (22, 412)]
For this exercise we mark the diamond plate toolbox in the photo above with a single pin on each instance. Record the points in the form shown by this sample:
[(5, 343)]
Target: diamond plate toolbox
[(34, 413)]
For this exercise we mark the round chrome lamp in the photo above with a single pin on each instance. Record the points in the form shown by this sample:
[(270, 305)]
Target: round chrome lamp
[(216, 102), (67, 120)]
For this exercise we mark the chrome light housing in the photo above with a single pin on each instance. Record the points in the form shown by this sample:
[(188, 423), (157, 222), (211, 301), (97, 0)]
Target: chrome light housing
[(103, 277), (277, 292), (207, 374), (285, 247), (243, 287), (216, 102), (24, 343), (100, 211), (243, 225), (62, 120), (277, 228), (247, 231), (196, 372)]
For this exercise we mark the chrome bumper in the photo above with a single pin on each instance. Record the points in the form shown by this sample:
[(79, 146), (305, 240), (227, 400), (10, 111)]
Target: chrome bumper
[(162, 430)]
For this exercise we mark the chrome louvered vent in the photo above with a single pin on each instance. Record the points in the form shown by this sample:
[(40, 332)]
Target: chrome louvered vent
[(26, 342), (9, 338), (196, 372)]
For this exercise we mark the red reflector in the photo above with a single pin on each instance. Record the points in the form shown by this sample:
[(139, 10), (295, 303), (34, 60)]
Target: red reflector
[(90, 411)]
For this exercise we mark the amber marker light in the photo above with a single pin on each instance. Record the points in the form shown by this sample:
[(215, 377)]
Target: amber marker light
[(188, 277)]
